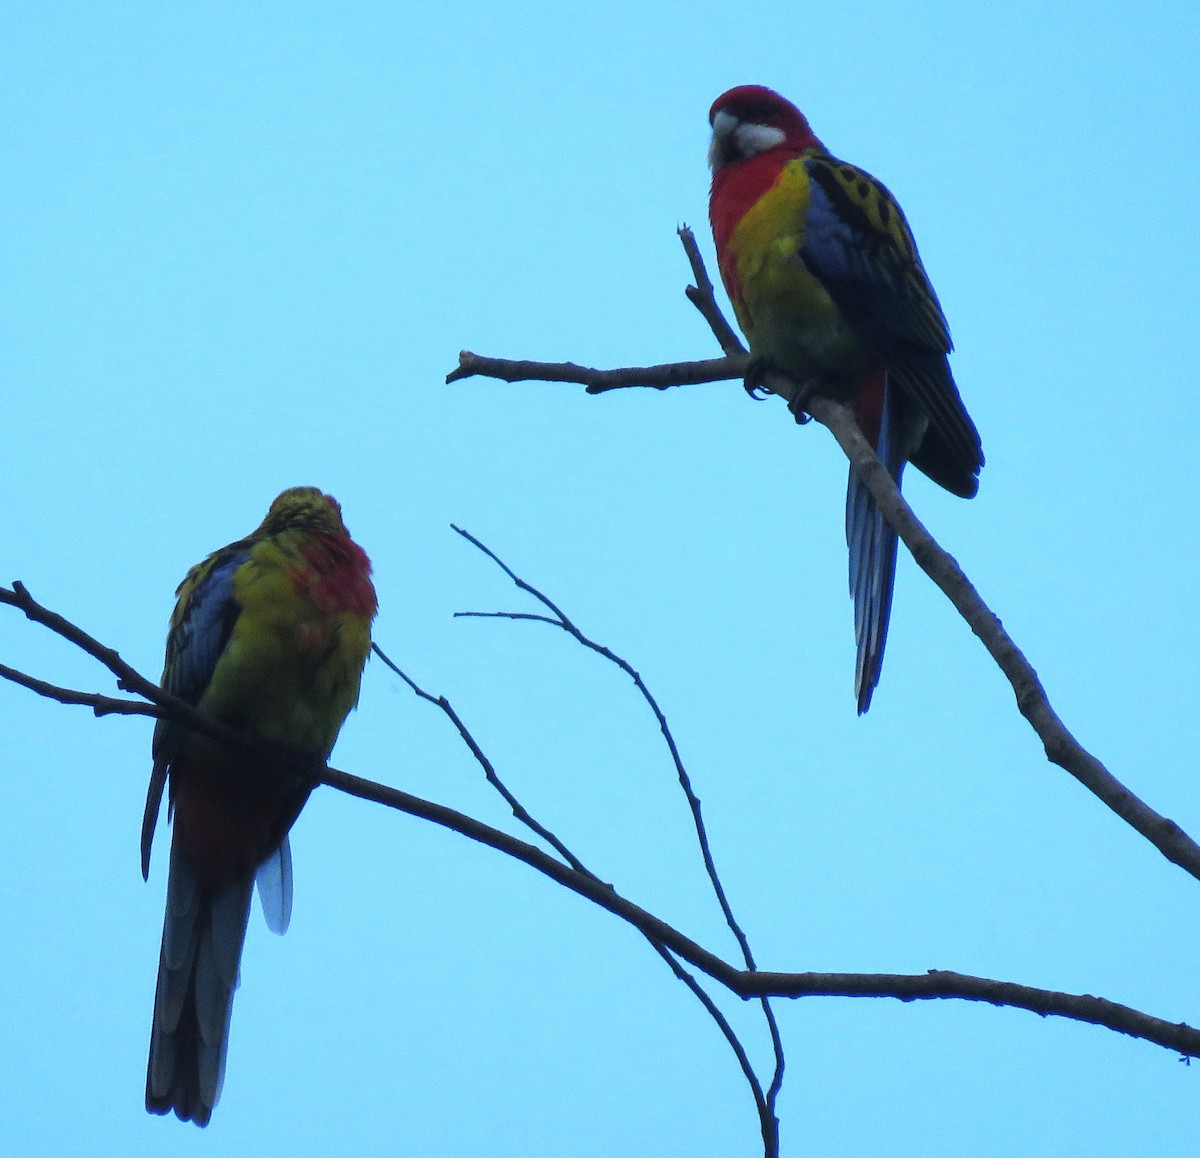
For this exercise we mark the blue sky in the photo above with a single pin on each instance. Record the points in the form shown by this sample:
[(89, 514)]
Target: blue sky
[(243, 246)]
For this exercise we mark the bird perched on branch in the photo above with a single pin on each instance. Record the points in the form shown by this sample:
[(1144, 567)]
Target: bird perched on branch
[(269, 636), (827, 285)]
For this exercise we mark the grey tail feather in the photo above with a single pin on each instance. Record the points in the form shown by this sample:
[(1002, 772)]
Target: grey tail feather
[(203, 934)]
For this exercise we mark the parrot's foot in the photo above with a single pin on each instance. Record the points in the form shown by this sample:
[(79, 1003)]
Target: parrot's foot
[(797, 403), (752, 383)]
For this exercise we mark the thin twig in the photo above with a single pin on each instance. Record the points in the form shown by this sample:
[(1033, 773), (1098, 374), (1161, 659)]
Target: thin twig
[(763, 1103), (703, 297), (100, 705), (767, 1120), (563, 621), (518, 809)]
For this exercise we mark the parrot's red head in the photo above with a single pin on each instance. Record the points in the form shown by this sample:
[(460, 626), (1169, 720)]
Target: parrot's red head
[(749, 120)]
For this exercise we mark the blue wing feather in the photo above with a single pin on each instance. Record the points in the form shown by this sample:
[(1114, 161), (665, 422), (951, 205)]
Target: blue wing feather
[(202, 626), (858, 244)]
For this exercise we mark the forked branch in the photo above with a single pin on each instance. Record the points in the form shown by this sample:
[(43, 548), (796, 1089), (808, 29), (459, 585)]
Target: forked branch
[(559, 618), (1061, 747)]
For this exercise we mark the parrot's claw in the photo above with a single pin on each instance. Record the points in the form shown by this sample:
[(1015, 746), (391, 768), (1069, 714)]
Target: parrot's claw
[(752, 383), (797, 403)]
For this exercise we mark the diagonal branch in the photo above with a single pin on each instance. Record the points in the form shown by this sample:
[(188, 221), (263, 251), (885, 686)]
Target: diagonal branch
[(128, 679), (489, 770), (1060, 745), (936, 984), (764, 1103)]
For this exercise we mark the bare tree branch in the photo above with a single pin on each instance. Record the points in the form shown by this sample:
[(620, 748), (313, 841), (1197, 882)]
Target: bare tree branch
[(100, 705), (1061, 747), (596, 381), (518, 809), (128, 679), (938, 984), (563, 621)]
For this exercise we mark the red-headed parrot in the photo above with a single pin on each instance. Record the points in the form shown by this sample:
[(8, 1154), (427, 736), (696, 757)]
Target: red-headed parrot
[(827, 285)]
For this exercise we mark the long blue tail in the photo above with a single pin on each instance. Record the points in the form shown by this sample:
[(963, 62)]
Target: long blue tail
[(872, 546)]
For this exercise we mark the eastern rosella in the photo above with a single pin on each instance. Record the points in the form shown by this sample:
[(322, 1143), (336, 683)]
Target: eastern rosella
[(270, 636), (827, 285)]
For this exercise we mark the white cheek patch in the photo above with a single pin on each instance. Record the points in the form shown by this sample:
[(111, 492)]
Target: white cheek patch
[(753, 139), (716, 151), (733, 139), (724, 126)]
